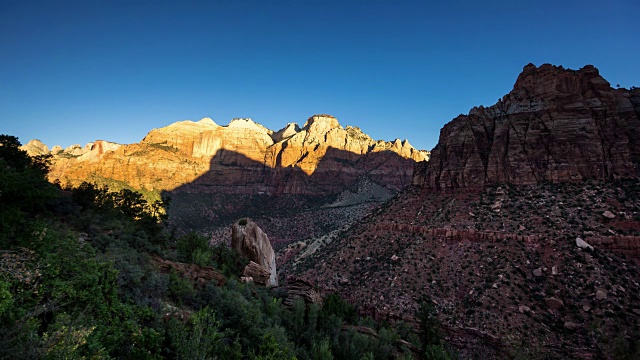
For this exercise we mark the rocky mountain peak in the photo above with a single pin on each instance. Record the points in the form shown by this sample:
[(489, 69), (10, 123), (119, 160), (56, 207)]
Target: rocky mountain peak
[(244, 157), (246, 123), (286, 132), (549, 80), (207, 121), (96, 150), (35, 147), (201, 125), (321, 123), (555, 125), (75, 150)]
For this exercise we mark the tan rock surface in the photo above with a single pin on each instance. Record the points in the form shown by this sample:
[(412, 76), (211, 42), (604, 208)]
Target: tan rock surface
[(286, 132), (35, 147), (256, 273)]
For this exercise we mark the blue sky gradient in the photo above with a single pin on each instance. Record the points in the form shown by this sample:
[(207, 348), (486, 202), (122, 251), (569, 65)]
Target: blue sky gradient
[(77, 71)]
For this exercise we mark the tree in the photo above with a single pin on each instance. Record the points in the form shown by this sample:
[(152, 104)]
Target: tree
[(193, 246), (200, 338), (24, 189), (12, 154), (432, 344)]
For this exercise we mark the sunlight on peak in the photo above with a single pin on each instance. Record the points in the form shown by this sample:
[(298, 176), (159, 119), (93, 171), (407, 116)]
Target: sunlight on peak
[(207, 121)]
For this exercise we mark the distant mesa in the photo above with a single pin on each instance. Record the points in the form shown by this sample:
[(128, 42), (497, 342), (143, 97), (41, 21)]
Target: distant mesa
[(555, 125), (242, 157)]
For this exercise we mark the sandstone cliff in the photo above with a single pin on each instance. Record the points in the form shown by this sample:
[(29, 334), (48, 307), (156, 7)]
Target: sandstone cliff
[(555, 125), (326, 157), (241, 158)]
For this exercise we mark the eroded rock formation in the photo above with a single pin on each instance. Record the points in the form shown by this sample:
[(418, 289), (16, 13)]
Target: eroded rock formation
[(241, 158), (303, 290), (256, 273), (250, 241), (555, 125)]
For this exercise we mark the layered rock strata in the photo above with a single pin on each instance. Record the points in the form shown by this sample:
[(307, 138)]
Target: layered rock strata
[(555, 125), (241, 158)]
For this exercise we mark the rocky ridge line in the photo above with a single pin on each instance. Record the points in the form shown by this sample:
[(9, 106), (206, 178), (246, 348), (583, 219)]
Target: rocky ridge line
[(243, 157)]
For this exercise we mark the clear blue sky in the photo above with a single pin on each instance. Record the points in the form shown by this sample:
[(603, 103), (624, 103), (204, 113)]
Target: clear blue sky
[(77, 71)]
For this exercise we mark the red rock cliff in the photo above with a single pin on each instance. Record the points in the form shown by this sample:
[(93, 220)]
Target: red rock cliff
[(555, 125)]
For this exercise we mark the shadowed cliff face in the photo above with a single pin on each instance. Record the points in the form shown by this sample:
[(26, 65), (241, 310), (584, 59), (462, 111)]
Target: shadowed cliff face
[(555, 125), (289, 202), (233, 173)]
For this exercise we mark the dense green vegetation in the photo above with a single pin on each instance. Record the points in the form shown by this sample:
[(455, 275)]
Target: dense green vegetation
[(78, 280)]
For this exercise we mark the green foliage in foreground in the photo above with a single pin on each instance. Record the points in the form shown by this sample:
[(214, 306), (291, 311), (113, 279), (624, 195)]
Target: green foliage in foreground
[(77, 280)]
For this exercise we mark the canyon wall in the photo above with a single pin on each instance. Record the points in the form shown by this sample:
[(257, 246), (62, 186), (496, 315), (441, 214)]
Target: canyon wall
[(243, 157), (555, 125)]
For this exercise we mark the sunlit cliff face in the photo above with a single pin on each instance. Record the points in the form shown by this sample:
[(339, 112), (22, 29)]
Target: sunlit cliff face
[(244, 156)]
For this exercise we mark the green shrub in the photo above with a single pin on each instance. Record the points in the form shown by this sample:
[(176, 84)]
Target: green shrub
[(201, 257), (179, 289), (187, 244), (228, 261)]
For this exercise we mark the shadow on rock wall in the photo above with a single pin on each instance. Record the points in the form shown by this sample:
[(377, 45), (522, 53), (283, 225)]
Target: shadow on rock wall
[(236, 186)]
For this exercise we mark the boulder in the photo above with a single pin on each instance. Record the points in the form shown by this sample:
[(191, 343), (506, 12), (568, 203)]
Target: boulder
[(601, 295), (608, 214), (537, 272), (571, 325), (250, 241), (256, 273), (524, 309), (583, 244), (554, 303), (304, 290)]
